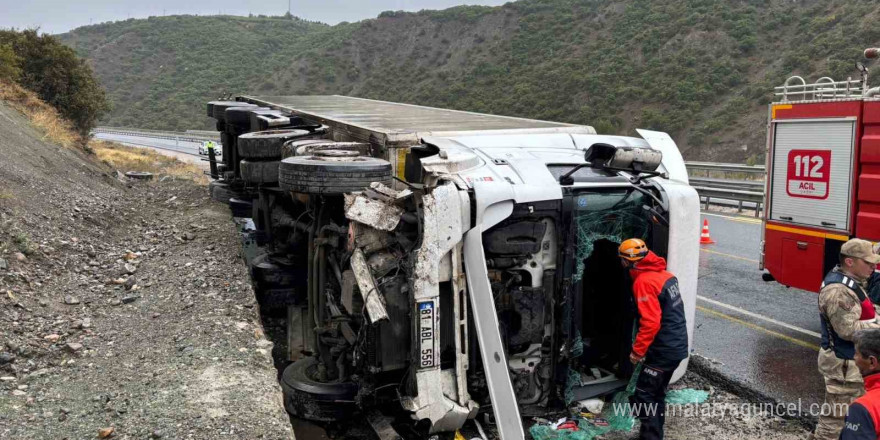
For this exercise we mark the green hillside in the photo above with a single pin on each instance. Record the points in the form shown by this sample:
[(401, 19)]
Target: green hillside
[(700, 69)]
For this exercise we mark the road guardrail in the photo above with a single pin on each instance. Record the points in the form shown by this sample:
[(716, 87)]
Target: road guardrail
[(725, 191), (726, 167), (157, 134)]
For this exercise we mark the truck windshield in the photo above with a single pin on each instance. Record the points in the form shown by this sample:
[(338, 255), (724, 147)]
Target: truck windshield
[(613, 215)]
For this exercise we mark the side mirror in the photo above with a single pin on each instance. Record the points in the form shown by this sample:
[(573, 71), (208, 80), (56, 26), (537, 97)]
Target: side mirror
[(630, 159), (599, 154)]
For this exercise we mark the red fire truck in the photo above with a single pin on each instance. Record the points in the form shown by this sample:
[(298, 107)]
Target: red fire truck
[(823, 175)]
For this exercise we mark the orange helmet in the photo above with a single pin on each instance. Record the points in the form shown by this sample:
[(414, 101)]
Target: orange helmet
[(633, 250)]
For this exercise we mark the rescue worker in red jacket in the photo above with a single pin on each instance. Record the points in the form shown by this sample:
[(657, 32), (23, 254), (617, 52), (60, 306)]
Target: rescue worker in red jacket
[(863, 417), (662, 340)]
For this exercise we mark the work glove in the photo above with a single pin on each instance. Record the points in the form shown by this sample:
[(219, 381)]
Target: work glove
[(635, 358)]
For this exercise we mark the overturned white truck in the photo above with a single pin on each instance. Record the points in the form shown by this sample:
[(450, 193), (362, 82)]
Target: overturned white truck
[(445, 261)]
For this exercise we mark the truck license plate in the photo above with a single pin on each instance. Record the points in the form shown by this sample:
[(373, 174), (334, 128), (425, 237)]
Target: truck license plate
[(426, 334)]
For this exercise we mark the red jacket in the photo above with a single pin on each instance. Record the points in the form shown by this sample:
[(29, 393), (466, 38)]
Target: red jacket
[(662, 336), (863, 416)]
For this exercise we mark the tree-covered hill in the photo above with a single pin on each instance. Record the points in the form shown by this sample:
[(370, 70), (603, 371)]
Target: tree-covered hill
[(700, 69)]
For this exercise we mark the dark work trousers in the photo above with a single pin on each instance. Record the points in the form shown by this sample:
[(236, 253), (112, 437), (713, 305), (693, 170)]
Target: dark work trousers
[(649, 401)]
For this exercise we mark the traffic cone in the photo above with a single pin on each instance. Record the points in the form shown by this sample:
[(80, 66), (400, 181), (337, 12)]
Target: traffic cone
[(704, 236)]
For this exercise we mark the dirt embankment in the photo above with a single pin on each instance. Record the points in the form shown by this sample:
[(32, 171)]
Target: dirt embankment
[(124, 308)]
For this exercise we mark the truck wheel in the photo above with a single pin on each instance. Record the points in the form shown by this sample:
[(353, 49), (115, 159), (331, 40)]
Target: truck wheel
[(330, 173), (268, 273), (241, 116), (266, 144), (309, 147), (312, 400), (213, 104), (220, 192), (220, 108), (265, 172)]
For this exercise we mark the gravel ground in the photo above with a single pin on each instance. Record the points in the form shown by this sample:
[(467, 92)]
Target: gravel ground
[(125, 310)]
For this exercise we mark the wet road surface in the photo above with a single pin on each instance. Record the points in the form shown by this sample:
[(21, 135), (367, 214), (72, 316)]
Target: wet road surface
[(762, 334)]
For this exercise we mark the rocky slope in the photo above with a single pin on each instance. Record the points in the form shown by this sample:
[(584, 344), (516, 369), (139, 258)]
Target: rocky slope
[(125, 311)]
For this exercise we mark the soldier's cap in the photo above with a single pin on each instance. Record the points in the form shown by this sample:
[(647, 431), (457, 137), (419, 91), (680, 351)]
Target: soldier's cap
[(858, 248)]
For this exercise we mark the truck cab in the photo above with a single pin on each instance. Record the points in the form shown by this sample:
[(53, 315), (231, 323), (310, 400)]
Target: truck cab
[(443, 261)]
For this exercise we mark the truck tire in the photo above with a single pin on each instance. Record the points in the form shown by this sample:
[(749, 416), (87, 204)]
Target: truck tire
[(241, 116), (290, 148), (220, 108), (213, 104), (332, 175), (220, 192), (309, 147), (259, 172), (307, 398), (273, 273), (266, 144)]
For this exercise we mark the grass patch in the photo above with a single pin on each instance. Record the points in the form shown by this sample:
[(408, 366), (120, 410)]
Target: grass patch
[(124, 158), (23, 242), (43, 116)]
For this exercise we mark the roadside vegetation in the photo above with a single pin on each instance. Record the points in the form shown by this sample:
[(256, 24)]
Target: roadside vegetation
[(44, 65), (45, 117), (34, 66), (59, 131), (125, 158)]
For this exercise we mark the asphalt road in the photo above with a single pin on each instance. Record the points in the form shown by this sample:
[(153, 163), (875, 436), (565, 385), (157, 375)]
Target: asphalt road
[(762, 334)]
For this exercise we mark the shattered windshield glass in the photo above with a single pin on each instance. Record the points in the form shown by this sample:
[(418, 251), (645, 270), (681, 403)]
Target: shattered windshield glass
[(612, 215)]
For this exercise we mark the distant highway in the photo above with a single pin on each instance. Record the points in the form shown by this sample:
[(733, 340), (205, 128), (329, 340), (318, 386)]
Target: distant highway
[(184, 150), (181, 146)]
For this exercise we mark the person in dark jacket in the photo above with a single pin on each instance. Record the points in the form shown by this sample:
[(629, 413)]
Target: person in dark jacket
[(863, 416), (662, 341)]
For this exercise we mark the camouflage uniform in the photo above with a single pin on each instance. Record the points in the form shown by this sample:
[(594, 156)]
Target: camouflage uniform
[(843, 383)]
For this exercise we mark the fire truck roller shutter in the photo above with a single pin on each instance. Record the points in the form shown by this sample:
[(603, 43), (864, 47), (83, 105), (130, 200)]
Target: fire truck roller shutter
[(812, 172)]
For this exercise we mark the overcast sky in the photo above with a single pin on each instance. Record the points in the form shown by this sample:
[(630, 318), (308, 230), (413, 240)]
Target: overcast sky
[(57, 16)]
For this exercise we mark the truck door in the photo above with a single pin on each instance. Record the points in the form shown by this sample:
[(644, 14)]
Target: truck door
[(811, 179)]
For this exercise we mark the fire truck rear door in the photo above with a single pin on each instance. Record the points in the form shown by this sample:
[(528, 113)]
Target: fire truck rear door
[(811, 179)]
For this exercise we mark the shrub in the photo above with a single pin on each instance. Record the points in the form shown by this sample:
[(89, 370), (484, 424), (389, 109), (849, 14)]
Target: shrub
[(58, 76)]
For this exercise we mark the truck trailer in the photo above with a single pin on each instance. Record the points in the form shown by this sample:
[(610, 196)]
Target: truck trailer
[(440, 262)]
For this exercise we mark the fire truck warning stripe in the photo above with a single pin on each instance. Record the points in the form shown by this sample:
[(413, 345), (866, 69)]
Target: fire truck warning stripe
[(808, 232), (758, 328), (778, 107)]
